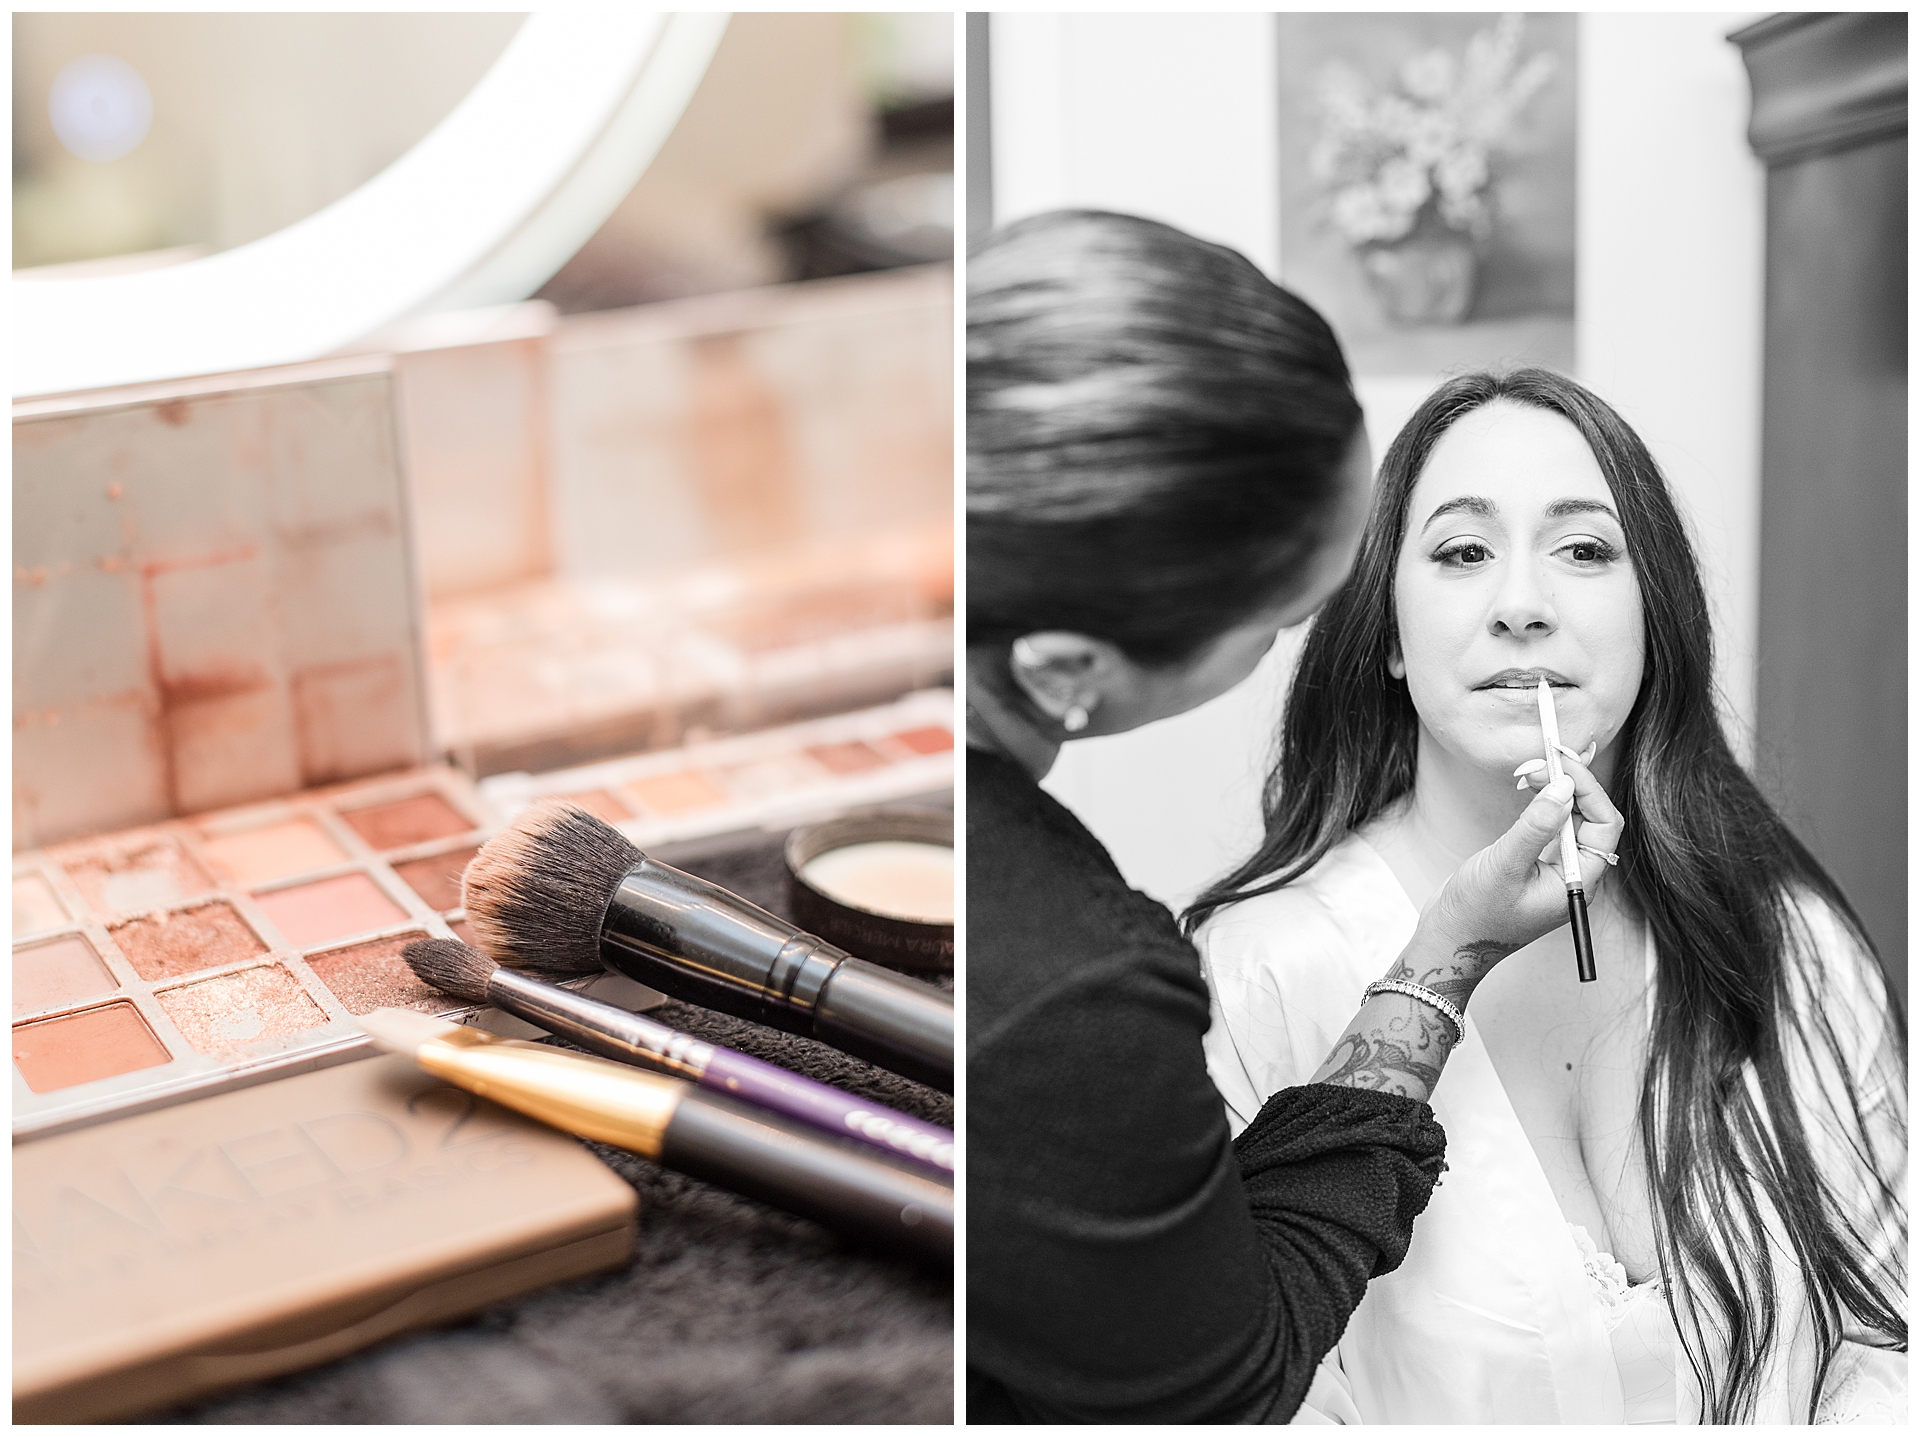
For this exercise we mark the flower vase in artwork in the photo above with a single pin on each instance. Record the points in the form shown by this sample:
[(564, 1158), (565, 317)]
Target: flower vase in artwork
[(1424, 279), (1407, 169)]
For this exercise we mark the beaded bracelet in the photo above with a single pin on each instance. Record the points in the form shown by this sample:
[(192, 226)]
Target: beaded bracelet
[(1425, 995)]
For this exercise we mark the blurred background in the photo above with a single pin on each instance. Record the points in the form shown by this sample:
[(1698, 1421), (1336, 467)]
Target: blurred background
[(698, 481), (1702, 217), (817, 144)]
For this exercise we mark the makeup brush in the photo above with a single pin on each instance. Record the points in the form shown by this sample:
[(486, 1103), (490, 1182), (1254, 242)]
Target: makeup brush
[(1569, 849), (560, 893), (466, 972), (843, 1184)]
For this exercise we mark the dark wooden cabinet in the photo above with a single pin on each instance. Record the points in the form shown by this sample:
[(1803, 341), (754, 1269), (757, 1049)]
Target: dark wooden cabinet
[(1830, 122)]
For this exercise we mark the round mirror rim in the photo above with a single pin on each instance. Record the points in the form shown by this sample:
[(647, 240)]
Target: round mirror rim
[(482, 211)]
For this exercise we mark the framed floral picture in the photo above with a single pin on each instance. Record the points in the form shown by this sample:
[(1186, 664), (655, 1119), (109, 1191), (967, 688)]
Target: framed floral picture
[(1428, 185)]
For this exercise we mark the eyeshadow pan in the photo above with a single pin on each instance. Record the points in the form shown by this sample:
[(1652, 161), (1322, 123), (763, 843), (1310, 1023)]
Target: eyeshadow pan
[(331, 908), (463, 930), (601, 804), (167, 945), (437, 879), (769, 777), (36, 907), (220, 1015), (277, 850), (149, 874), (853, 757), (374, 975), (406, 821), (102, 1042), (932, 739), (670, 793), (56, 974)]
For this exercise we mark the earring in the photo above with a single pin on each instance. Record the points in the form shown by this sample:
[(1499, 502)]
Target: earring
[(1074, 719)]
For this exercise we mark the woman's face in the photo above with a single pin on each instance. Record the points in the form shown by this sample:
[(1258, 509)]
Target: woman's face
[(1514, 566)]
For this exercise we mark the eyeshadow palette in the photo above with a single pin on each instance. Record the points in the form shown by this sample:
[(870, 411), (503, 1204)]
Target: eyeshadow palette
[(775, 779), (184, 957), (214, 599), (181, 958), (561, 672)]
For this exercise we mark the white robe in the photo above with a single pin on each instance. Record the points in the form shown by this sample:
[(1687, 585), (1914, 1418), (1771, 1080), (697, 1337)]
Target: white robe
[(1492, 1317)]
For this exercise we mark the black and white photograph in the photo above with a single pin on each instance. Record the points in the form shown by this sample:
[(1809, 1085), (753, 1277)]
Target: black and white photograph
[(1435, 806)]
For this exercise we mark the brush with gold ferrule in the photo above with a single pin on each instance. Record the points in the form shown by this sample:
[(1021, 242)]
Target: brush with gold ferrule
[(465, 972), (1569, 846), (846, 1185)]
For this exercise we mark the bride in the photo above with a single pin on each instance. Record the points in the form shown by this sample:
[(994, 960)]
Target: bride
[(1676, 1193)]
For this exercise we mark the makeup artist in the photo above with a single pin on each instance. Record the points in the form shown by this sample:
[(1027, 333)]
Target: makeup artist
[(1165, 466)]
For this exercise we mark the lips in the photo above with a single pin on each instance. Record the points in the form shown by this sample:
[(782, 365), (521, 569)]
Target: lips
[(1523, 679)]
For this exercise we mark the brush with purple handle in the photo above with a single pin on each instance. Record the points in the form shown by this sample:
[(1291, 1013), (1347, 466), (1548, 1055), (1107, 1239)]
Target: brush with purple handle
[(467, 973)]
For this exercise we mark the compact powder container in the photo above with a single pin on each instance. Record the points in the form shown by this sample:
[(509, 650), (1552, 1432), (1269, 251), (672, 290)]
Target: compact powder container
[(878, 883), (174, 1253)]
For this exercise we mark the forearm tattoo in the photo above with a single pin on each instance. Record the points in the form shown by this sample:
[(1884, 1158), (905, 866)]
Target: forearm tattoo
[(1404, 1054), (1458, 976)]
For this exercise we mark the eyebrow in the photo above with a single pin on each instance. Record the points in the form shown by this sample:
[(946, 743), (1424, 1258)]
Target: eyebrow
[(1561, 508), (1484, 509), (1466, 504)]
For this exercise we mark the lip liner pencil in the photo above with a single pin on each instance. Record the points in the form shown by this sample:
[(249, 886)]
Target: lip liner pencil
[(465, 972), (1569, 849), (843, 1184)]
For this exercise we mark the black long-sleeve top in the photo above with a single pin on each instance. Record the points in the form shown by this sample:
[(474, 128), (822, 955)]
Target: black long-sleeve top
[(1125, 1261)]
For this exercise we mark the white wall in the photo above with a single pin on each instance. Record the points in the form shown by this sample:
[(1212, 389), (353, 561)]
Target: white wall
[(1672, 289), (1167, 116), (1175, 117)]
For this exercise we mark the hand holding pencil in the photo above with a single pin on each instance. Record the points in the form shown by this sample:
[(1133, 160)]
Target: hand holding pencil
[(1586, 840)]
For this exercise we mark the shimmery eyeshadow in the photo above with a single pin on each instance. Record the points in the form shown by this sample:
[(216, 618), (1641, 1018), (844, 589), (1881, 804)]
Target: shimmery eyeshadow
[(147, 874), (56, 974), (601, 804), (374, 975), (58, 1053), (332, 908), (221, 1015), (854, 757), (277, 850), (772, 776), (166, 945), (409, 820), (36, 907), (932, 739), (437, 879), (670, 793)]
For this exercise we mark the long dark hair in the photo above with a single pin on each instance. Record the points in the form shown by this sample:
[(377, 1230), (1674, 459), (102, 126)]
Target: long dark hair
[(1154, 434), (1746, 1018)]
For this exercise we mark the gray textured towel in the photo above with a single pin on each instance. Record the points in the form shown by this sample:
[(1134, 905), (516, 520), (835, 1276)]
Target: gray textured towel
[(731, 1311)]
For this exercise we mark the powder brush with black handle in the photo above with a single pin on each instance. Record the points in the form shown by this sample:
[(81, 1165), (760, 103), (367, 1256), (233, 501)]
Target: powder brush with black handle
[(560, 893)]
